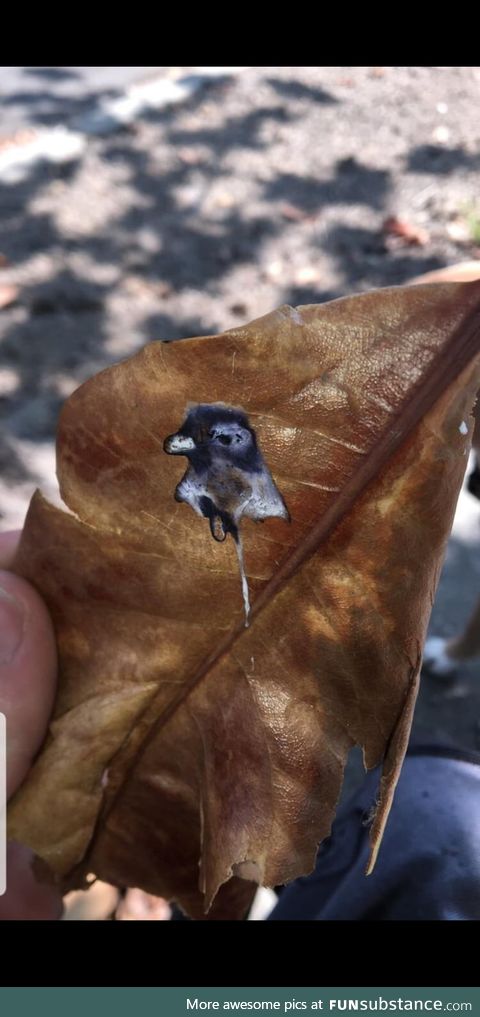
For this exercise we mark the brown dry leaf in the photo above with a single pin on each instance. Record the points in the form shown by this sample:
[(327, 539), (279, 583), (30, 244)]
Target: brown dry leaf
[(294, 213), (405, 233), (186, 750), (8, 294)]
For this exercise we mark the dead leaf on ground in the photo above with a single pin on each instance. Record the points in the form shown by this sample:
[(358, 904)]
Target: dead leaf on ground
[(8, 295), (405, 233), (189, 755), (296, 214)]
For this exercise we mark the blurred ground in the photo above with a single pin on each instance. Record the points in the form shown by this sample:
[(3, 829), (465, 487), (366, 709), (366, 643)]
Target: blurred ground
[(47, 95), (273, 186)]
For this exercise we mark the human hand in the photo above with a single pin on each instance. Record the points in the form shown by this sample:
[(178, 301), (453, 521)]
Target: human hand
[(28, 671)]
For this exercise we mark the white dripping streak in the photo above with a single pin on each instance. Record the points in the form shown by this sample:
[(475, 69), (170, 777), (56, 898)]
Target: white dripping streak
[(241, 565)]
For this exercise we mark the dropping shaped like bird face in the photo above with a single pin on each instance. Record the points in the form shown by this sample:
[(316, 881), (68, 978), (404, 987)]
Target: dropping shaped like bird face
[(227, 477)]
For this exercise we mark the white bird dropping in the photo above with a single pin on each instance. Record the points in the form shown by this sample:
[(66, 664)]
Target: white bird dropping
[(243, 577)]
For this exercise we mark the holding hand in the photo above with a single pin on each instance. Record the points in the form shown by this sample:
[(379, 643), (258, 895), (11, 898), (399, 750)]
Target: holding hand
[(28, 671)]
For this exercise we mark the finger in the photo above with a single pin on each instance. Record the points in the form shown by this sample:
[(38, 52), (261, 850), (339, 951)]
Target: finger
[(27, 673), (27, 664), (27, 686), (25, 899), (8, 546)]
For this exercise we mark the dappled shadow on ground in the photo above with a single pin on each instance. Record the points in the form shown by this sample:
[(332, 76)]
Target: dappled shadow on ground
[(441, 159), (57, 331), (173, 226), (350, 183), (234, 133), (53, 103), (52, 73), (298, 90), (361, 254)]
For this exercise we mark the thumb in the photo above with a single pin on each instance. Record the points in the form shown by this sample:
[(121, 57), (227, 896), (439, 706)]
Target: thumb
[(27, 686), (27, 673)]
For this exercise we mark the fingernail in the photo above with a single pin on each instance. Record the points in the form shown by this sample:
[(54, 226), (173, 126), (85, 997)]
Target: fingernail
[(12, 619)]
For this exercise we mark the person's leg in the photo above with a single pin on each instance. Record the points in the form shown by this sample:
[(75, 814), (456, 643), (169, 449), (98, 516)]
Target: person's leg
[(429, 862)]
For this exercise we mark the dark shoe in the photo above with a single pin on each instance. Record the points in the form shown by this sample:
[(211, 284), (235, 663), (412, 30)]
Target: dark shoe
[(473, 482)]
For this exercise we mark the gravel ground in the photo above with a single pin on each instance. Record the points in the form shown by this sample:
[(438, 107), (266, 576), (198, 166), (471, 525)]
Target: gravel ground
[(271, 187), (47, 95)]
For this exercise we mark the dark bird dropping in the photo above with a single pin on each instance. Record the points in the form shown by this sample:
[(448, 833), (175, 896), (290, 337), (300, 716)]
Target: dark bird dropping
[(227, 477)]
